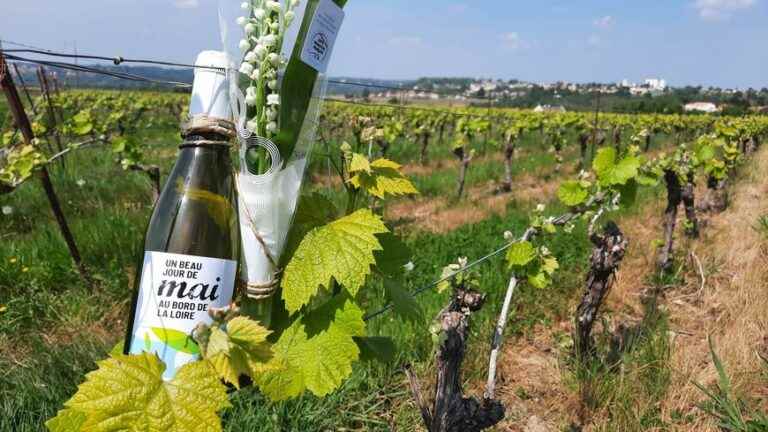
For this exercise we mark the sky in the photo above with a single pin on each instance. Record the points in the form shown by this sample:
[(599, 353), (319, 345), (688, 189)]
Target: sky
[(687, 42)]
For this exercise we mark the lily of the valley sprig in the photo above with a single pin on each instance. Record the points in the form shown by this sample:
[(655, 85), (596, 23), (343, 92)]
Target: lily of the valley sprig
[(264, 25)]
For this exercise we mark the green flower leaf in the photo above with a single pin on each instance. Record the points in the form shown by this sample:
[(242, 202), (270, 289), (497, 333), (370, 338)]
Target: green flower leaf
[(342, 250), (128, 392), (177, 340), (520, 254), (571, 193)]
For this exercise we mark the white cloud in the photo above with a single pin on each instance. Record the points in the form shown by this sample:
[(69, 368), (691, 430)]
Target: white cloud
[(405, 41), (721, 9), (186, 4), (605, 22), (514, 41)]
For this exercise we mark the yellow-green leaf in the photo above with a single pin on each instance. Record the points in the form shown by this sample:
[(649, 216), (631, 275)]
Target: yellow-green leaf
[(67, 420), (571, 193), (240, 350), (520, 254), (318, 363), (359, 163), (127, 392), (342, 250)]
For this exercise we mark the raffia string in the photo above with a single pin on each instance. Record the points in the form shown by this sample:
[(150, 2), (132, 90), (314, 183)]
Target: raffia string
[(204, 124)]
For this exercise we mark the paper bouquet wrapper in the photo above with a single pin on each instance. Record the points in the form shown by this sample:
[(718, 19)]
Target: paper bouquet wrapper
[(266, 205)]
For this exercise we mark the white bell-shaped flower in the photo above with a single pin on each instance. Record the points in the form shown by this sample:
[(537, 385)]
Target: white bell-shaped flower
[(246, 69), (245, 5), (241, 21), (273, 99), (244, 45)]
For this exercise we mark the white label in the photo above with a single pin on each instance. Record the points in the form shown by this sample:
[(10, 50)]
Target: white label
[(321, 36), (175, 295)]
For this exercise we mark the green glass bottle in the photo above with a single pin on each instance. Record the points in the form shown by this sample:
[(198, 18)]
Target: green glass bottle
[(192, 243)]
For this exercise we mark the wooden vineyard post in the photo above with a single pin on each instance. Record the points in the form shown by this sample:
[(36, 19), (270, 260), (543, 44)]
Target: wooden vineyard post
[(51, 113), (26, 90), (22, 121)]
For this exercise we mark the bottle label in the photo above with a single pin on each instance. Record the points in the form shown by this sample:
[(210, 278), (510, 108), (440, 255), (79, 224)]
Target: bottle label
[(175, 294), (321, 36)]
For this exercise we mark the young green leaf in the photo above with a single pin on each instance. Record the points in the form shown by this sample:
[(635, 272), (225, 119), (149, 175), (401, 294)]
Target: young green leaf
[(67, 420), (241, 350), (604, 162), (384, 178), (571, 193), (342, 250), (520, 254), (319, 363), (128, 392)]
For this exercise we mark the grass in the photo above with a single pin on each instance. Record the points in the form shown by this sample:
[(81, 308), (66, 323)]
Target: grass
[(733, 413)]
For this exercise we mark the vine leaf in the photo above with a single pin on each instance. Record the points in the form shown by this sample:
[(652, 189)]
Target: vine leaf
[(402, 301), (520, 254), (318, 363), (359, 163), (571, 193), (127, 392), (382, 177), (240, 350), (376, 348), (342, 250), (393, 256), (610, 172), (314, 210), (67, 420)]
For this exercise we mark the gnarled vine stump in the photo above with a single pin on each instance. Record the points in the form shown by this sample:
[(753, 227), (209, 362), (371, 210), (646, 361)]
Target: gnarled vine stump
[(607, 254), (451, 411), (674, 197)]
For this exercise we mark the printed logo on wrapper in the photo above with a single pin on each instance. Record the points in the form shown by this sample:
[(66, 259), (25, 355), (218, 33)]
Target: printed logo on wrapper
[(175, 295), (322, 35)]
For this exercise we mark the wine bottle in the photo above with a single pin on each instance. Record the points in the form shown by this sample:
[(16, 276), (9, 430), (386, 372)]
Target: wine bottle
[(191, 248)]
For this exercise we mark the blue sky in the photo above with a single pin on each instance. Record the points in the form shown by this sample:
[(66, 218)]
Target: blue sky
[(707, 42)]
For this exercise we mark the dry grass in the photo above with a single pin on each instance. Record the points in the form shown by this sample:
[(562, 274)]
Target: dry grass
[(441, 214), (733, 303)]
